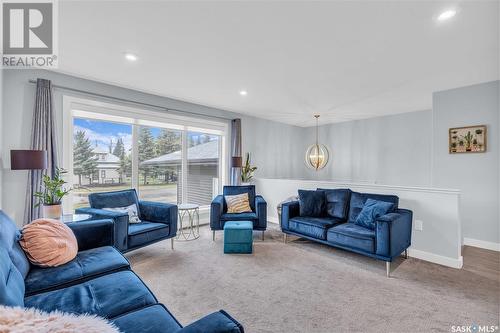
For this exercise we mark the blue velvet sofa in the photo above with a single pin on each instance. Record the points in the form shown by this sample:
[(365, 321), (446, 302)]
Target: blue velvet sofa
[(98, 281), (390, 238), (219, 215), (158, 220)]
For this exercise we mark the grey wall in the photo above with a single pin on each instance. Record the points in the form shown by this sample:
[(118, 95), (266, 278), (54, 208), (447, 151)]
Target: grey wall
[(270, 143), (392, 150), (476, 175)]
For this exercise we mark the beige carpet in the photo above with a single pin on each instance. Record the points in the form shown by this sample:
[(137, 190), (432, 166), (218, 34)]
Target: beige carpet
[(307, 287)]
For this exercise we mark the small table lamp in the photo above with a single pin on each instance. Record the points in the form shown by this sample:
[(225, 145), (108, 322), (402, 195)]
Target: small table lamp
[(28, 159)]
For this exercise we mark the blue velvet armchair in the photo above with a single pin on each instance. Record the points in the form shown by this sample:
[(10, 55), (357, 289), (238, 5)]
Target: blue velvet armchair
[(219, 215), (158, 220)]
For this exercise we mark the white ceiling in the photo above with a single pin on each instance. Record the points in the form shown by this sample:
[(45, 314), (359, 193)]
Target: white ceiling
[(343, 60)]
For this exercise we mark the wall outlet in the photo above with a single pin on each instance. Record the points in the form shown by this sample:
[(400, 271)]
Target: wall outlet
[(419, 225)]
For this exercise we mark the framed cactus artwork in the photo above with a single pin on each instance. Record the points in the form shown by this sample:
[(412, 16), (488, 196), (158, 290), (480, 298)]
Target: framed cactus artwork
[(470, 139)]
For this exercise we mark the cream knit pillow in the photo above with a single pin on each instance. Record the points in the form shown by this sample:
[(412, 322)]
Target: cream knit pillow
[(238, 203)]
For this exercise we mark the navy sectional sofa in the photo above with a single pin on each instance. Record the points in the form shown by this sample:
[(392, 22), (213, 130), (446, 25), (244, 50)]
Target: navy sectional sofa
[(98, 281), (390, 238)]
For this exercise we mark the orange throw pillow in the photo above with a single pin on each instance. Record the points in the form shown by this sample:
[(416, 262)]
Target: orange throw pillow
[(48, 243)]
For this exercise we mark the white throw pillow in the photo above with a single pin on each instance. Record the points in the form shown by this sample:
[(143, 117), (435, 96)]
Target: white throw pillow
[(133, 215)]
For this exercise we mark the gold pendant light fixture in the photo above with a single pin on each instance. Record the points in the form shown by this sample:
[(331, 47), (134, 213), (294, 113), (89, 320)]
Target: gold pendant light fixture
[(317, 154)]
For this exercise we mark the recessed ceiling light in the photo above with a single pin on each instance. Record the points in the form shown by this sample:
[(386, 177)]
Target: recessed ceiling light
[(447, 14), (130, 57), (243, 92)]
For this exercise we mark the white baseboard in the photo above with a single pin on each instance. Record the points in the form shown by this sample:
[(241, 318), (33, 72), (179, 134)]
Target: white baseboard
[(436, 258), (273, 219), (482, 244), (422, 255)]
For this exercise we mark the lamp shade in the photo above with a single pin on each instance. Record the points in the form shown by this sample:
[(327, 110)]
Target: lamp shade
[(28, 159), (236, 161)]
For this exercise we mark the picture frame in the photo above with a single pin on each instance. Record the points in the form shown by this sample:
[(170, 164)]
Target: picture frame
[(467, 139)]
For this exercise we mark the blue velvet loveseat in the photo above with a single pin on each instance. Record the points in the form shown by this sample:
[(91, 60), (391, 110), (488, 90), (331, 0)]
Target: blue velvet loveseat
[(98, 281), (219, 215), (336, 226), (158, 221)]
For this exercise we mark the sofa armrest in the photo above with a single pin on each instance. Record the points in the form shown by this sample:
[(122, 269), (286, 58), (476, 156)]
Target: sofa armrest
[(216, 210), (92, 234), (393, 233), (289, 210), (159, 212), (261, 210), (217, 322), (120, 223)]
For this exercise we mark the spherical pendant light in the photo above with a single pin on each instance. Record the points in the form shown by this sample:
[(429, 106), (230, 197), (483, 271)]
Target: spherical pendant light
[(317, 154)]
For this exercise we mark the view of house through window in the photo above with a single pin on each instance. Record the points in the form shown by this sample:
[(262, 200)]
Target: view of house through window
[(101, 158), (104, 160)]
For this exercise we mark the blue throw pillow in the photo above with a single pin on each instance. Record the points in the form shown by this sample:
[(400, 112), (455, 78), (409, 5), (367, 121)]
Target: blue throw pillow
[(371, 211), (312, 203)]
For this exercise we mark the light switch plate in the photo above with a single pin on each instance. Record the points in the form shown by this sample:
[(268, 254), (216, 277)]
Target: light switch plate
[(419, 225)]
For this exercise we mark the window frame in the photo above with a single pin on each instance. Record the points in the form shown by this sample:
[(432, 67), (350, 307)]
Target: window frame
[(75, 107)]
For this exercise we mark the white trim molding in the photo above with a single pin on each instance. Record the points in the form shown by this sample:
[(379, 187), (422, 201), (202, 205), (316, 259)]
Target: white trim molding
[(437, 259), (482, 244)]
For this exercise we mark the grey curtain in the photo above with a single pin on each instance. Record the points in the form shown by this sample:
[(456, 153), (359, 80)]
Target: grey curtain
[(42, 138), (236, 152)]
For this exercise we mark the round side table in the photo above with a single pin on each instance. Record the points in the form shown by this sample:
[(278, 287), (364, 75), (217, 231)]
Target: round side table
[(67, 218), (191, 231)]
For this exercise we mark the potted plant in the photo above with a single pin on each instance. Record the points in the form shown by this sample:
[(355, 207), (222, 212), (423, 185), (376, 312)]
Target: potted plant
[(468, 141), (247, 171), (51, 196)]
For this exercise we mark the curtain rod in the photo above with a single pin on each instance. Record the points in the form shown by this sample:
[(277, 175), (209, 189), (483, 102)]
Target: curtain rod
[(131, 101)]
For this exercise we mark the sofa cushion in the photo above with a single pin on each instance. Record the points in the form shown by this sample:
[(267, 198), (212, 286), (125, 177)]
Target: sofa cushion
[(9, 240), (238, 216), (106, 296), (11, 281), (358, 201), (232, 190), (351, 235), (151, 319), (315, 227), (312, 203), (372, 210), (86, 265), (337, 202), (146, 232)]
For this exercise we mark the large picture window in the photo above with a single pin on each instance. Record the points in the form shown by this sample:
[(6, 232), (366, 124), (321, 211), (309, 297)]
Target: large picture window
[(166, 160)]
